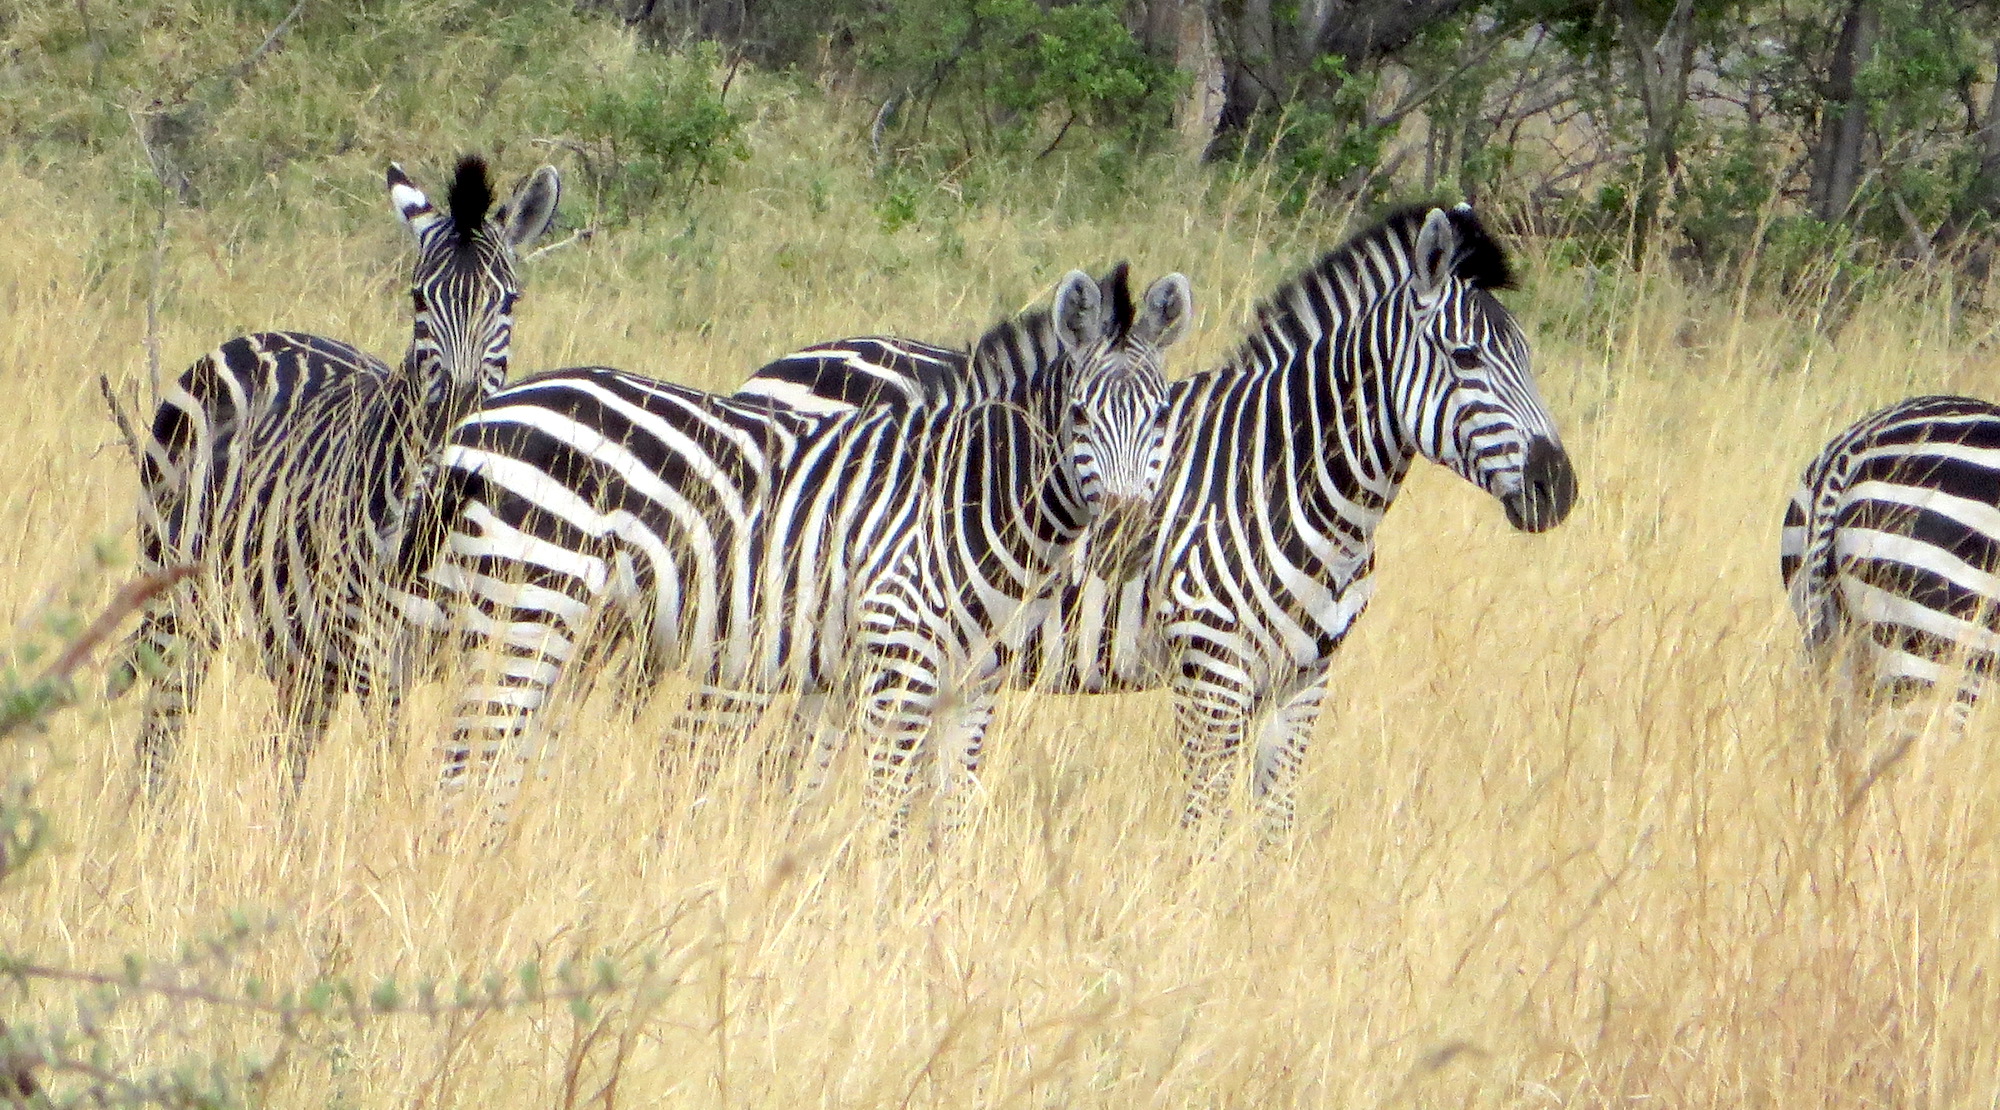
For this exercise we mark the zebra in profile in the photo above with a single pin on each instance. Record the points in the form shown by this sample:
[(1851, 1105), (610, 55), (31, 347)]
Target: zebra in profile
[(1280, 465), (865, 555), (279, 466), (1894, 536)]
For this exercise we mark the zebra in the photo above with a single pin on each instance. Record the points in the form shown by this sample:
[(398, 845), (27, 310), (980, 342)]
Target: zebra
[(1280, 465), (279, 465), (1894, 535), (864, 555)]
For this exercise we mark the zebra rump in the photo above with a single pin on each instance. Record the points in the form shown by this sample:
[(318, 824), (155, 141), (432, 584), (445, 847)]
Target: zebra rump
[(1893, 535)]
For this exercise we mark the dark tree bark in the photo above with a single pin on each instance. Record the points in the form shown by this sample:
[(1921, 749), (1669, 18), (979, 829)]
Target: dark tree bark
[(1268, 54), (1844, 120), (1372, 29), (1661, 61)]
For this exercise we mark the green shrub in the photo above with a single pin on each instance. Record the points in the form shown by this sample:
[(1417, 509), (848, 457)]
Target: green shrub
[(653, 130)]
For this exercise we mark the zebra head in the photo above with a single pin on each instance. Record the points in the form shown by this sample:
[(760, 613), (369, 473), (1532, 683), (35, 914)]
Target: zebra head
[(1119, 400), (464, 287), (1466, 396)]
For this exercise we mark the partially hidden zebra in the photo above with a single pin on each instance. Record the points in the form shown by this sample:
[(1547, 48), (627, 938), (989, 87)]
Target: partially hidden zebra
[(867, 555), (1893, 537), (279, 467), (1280, 465)]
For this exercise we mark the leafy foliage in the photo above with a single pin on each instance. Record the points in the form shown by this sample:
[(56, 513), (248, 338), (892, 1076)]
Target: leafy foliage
[(1014, 76), (654, 129)]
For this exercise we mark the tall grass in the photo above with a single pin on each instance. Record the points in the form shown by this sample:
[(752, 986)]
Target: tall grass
[(1569, 835)]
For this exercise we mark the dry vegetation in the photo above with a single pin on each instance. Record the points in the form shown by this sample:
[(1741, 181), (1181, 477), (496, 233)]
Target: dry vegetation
[(1569, 834)]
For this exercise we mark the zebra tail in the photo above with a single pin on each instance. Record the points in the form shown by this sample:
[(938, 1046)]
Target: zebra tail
[(1808, 564)]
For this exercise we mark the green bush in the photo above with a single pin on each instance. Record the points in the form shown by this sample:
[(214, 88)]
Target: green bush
[(654, 130), (1011, 77)]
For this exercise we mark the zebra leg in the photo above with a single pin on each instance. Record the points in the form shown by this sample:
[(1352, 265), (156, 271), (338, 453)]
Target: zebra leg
[(897, 707), (305, 704), (182, 665), (1214, 720), (966, 741), (715, 722), (1281, 753), (490, 740)]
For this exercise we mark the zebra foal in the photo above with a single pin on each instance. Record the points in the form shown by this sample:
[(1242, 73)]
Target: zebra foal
[(1280, 465), (280, 465), (865, 554), (1893, 536)]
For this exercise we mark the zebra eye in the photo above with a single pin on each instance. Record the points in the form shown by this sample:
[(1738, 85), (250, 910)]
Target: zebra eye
[(507, 303), (1467, 358), (423, 303)]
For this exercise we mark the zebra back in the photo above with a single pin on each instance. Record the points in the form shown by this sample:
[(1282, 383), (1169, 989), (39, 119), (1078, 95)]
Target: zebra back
[(1894, 534), (747, 541), (279, 465)]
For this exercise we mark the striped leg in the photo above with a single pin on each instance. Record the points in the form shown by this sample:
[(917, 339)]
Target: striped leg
[(895, 716), (964, 741), (182, 656), (1281, 753), (305, 702), (1214, 721), (491, 741), (715, 723), (822, 734)]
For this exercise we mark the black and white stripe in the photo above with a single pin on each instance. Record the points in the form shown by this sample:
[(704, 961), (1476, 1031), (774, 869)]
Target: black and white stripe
[(867, 554), (279, 466), (1281, 464), (1893, 537)]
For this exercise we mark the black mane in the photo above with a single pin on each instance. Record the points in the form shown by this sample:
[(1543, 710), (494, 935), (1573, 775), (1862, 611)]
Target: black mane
[(1480, 261), (471, 194), (1116, 288)]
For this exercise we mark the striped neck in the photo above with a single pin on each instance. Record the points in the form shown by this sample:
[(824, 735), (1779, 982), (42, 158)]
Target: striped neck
[(1332, 354)]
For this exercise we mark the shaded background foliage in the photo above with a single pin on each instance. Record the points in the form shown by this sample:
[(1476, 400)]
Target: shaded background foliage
[(1713, 128), (1870, 127)]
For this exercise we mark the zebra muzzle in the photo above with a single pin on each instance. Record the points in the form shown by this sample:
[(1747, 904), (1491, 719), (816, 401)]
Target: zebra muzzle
[(1122, 538), (1548, 488)]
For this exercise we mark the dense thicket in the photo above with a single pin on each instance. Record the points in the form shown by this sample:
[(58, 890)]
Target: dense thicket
[(1806, 125), (1866, 130)]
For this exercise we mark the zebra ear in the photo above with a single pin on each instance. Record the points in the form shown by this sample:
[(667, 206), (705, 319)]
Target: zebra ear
[(411, 205), (1079, 310), (532, 208), (1437, 243), (1169, 306)]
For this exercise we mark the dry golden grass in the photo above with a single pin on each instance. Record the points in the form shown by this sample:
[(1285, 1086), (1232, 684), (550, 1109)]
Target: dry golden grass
[(1569, 833)]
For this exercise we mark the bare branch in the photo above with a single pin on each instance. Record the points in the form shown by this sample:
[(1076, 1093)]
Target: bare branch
[(129, 599), (582, 234), (244, 67), (118, 416)]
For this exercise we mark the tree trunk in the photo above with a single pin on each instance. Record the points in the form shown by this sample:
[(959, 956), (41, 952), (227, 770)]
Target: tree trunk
[(1982, 193), (1660, 71), (1195, 54), (1244, 27), (1844, 121)]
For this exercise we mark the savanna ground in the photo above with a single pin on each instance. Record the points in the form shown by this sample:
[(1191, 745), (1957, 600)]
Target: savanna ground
[(1569, 833)]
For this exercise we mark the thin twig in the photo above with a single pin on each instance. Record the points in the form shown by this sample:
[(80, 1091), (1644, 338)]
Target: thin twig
[(118, 416), (1057, 141), (153, 308), (270, 40), (582, 234), (1918, 238), (129, 599)]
